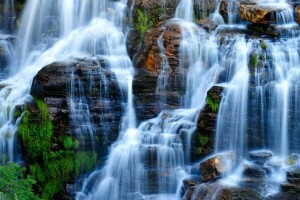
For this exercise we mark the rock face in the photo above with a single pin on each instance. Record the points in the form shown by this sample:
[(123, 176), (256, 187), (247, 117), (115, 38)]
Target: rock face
[(159, 47), (146, 15), (203, 8), (215, 167), (53, 84), (204, 137), (208, 25)]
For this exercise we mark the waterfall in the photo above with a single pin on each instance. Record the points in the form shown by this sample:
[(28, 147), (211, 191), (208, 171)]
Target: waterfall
[(43, 39), (259, 110), (8, 15), (232, 116)]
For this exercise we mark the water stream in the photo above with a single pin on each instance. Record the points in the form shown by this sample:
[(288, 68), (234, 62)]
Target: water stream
[(150, 160)]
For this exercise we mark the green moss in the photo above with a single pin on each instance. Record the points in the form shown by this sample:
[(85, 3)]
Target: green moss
[(203, 141), (36, 135), (68, 143), (213, 104), (143, 22), (254, 60), (263, 46), (51, 168), (85, 161)]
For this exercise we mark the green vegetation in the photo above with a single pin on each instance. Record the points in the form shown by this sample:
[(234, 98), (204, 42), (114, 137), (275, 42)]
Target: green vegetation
[(203, 141), (14, 184), (143, 22), (213, 104), (263, 46), (36, 135), (254, 60), (51, 167), (292, 160), (85, 161)]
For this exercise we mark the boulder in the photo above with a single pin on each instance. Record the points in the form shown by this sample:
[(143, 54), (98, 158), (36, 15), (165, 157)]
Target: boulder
[(260, 157), (53, 84), (208, 25), (216, 166), (255, 171), (260, 14)]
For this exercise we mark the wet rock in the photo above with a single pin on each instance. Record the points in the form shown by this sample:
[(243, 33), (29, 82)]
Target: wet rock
[(204, 137), (149, 55), (260, 157), (219, 191), (291, 188), (208, 25), (53, 82), (216, 166), (190, 182), (259, 14), (132, 42), (145, 16), (255, 171), (293, 175), (239, 193), (149, 62), (297, 14), (272, 30), (157, 10)]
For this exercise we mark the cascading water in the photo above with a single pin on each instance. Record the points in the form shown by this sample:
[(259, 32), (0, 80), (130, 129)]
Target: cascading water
[(42, 40), (80, 112), (231, 125), (150, 161), (8, 15)]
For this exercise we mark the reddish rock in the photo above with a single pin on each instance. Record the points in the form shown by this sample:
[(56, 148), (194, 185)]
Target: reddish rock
[(208, 25), (259, 14), (215, 167), (297, 14)]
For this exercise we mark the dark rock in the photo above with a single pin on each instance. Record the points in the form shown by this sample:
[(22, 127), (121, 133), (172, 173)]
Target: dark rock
[(255, 171), (239, 193), (293, 175), (273, 30), (206, 125), (190, 182), (203, 8), (53, 84), (260, 157), (287, 187), (297, 14), (215, 167), (221, 192), (132, 42)]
